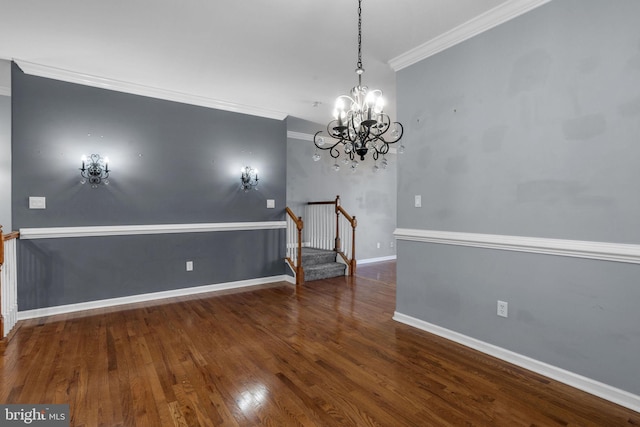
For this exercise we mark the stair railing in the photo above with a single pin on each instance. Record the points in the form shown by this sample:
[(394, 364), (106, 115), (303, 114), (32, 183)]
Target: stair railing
[(8, 283), (346, 246), (294, 245), (323, 231)]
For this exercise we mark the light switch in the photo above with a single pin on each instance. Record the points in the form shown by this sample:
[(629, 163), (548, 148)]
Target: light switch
[(418, 201), (37, 202), (271, 204)]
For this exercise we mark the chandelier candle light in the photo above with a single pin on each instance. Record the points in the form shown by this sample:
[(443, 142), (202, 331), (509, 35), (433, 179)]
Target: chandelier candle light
[(359, 123)]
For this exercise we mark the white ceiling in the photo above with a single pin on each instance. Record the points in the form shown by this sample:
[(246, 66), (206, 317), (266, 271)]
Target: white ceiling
[(280, 56)]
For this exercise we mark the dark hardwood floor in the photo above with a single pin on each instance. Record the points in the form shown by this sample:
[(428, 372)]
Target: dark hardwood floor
[(325, 354)]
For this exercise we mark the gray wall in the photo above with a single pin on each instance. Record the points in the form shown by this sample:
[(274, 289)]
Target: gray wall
[(371, 197), (171, 163), (530, 129), (5, 146)]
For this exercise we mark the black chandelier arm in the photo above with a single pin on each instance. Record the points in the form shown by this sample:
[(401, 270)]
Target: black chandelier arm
[(384, 149), (380, 128), (400, 131), (333, 151), (380, 136), (334, 130)]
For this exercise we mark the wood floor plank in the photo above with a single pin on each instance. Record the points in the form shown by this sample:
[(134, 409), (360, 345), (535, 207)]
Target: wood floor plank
[(323, 354)]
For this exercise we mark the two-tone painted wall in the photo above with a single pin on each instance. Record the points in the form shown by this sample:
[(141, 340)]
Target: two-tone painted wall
[(526, 146), (175, 175)]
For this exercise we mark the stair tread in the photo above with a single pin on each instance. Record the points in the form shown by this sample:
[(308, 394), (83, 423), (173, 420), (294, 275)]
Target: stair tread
[(314, 256), (315, 251), (324, 271), (321, 264), (326, 265)]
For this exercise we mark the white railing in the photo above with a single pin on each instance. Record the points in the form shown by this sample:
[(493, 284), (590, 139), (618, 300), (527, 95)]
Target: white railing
[(346, 236), (328, 226), (320, 225), (8, 284)]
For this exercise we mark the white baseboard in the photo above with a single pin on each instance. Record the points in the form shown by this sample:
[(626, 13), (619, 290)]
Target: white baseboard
[(91, 305), (612, 394), (380, 259)]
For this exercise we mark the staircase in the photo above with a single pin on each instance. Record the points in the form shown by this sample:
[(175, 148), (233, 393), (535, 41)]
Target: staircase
[(313, 245), (321, 264)]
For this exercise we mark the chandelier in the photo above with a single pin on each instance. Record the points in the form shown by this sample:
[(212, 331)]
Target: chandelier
[(360, 125)]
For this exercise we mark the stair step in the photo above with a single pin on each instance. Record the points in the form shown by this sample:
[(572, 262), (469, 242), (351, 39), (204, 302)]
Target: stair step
[(313, 256), (324, 271)]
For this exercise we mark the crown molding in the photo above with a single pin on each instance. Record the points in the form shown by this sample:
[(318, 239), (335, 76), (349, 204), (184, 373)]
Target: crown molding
[(137, 89), (481, 23), (127, 230), (299, 135), (618, 252)]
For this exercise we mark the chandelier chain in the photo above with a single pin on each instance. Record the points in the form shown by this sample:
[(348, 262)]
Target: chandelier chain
[(359, 64)]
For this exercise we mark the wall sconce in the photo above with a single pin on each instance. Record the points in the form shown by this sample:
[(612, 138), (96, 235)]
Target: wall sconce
[(96, 170), (249, 178)]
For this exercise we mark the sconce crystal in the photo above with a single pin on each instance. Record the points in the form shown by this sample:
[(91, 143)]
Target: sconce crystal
[(95, 170), (249, 178)]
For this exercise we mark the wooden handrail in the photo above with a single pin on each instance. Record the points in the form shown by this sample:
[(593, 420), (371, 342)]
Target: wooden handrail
[(297, 266), (3, 238), (351, 219), (296, 219), (328, 202), (12, 235)]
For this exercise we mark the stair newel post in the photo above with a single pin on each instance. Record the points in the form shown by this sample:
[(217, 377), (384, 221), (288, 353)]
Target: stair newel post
[(299, 269), (338, 243), (352, 267), (1, 248)]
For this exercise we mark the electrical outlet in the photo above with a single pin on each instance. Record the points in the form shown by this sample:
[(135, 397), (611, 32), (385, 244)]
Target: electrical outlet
[(189, 265), (503, 309), (391, 244), (378, 245), (417, 202)]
